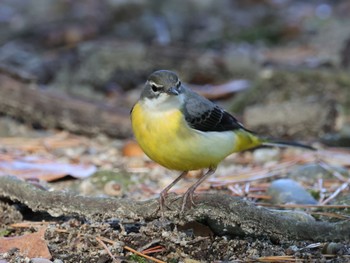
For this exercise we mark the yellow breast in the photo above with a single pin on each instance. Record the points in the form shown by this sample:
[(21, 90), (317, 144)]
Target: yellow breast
[(167, 139)]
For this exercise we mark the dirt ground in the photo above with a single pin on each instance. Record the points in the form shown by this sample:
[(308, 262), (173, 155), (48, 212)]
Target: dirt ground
[(74, 240)]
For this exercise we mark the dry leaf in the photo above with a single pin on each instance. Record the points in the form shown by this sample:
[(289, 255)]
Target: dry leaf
[(132, 149), (40, 168), (56, 141), (31, 245), (215, 92)]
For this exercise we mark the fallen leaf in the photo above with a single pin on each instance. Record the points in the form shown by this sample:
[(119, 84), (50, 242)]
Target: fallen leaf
[(40, 168), (132, 149), (32, 245), (215, 92), (56, 141)]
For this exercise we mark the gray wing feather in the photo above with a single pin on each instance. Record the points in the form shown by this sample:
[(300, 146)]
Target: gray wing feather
[(201, 114)]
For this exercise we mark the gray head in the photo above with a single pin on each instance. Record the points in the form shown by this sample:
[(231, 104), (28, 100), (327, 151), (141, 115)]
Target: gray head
[(162, 83)]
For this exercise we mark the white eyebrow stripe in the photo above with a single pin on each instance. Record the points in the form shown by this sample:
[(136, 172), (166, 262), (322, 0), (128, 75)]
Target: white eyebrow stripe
[(155, 84)]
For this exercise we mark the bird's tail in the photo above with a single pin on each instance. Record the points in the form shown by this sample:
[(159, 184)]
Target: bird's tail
[(247, 140), (287, 144)]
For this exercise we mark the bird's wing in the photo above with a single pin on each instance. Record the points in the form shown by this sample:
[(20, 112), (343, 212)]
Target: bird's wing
[(201, 114)]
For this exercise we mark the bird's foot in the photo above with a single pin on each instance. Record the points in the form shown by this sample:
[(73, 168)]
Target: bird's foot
[(188, 196), (163, 206)]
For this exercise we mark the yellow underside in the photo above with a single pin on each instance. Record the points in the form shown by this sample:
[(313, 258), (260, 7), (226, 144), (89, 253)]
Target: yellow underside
[(166, 138)]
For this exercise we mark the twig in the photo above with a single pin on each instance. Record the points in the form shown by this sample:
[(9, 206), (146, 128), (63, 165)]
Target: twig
[(329, 169), (28, 224), (153, 250), (277, 259), (107, 240), (259, 196), (321, 190), (149, 244), (107, 249), (336, 192), (235, 189), (143, 255), (247, 189), (333, 215)]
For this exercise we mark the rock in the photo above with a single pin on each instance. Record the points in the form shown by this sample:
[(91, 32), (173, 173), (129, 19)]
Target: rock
[(288, 101), (287, 191), (292, 250), (113, 188), (299, 215), (295, 118)]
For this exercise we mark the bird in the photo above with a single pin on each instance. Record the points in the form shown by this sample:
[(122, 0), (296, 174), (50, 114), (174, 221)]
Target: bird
[(183, 131)]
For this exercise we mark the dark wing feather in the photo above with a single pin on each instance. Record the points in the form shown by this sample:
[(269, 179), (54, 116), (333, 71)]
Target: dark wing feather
[(213, 119), (203, 115)]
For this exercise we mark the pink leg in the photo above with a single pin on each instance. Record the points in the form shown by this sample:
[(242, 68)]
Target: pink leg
[(190, 191), (164, 193)]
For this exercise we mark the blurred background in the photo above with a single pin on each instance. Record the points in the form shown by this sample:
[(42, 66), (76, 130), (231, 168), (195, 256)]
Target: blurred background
[(71, 70), (258, 53)]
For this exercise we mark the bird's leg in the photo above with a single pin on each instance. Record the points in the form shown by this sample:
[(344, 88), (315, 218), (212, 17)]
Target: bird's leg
[(190, 191), (164, 193)]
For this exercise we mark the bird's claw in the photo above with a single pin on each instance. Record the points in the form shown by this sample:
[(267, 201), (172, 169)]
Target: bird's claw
[(187, 196)]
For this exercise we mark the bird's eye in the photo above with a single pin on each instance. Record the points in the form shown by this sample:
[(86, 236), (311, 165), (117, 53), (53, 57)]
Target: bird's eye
[(156, 88), (178, 84)]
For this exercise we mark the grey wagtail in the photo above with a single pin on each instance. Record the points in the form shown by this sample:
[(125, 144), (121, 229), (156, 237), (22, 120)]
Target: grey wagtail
[(184, 131)]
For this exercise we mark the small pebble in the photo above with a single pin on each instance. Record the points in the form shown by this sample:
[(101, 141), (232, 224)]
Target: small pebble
[(113, 188), (300, 216), (287, 191), (291, 250)]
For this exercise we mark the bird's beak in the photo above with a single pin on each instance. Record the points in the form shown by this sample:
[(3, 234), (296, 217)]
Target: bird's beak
[(173, 91)]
